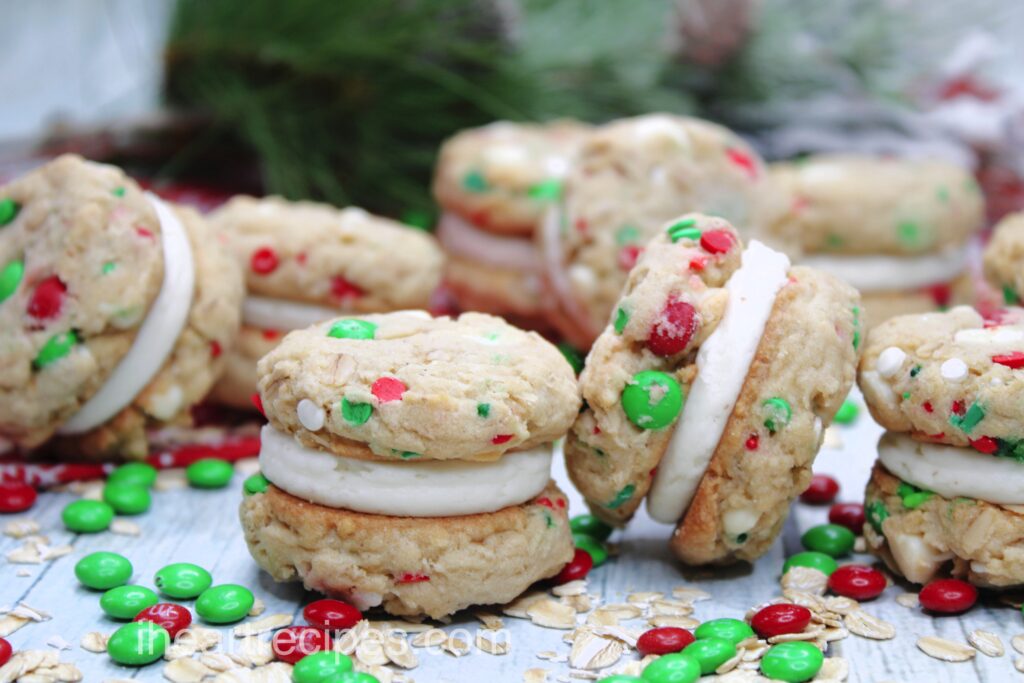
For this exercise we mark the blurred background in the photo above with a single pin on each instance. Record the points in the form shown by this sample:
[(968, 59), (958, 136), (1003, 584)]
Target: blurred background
[(348, 101)]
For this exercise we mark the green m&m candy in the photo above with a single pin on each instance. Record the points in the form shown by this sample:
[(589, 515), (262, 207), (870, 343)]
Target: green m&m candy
[(8, 210), (103, 570), (812, 559), (225, 604), (55, 348), (127, 499), (209, 473), (592, 547), (792, 662), (591, 526), (710, 653), (352, 328), (847, 412), (135, 474), (257, 483), (321, 667), (138, 643), (777, 413), (182, 580), (355, 413), (87, 516), (354, 677), (652, 400), (832, 539), (572, 356), (732, 630), (672, 668), (621, 678), (10, 278), (125, 602)]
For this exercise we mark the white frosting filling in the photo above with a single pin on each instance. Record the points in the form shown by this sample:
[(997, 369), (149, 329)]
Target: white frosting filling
[(553, 263), (280, 314), (885, 273), (460, 238), (951, 471), (722, 365), (157, 334), (404, 488)]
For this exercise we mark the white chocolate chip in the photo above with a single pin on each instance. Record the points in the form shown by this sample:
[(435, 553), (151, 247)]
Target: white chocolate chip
[(738, 522), (954, 370), (890, 361), (310, 415)]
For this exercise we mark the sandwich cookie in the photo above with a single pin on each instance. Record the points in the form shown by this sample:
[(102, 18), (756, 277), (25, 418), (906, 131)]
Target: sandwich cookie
[(306, 262), (493, 184), (895, 229), (409, 460), (115, 308), (630, 176), (710, 388), (1004, 258)]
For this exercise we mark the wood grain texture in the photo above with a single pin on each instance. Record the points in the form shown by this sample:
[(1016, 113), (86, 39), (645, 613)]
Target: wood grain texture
[(201, 527)]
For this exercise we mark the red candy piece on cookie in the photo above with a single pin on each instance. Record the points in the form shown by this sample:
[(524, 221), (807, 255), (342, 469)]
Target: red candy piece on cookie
[(343, 289), (717, 241), (1013, 360), (578, 568), (673, 329), (663, 641), (263, 261), (47, 299), (174, 618), (775, 620), (501, 438), (331, 614), (985, 444), (743, 160), (409, 577), (388, 389), (628, 256), (295, 642)]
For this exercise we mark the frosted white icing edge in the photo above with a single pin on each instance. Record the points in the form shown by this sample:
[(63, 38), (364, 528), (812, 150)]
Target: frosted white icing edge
[(460, 238), (267, 313), (885, 273)]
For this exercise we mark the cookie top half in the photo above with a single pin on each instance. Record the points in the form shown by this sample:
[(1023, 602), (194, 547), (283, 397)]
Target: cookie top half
[(405, 385), (955, 378), (313, 253), (853, 205), (629, 178), (1004, 258), (81, 262), (502, 177)]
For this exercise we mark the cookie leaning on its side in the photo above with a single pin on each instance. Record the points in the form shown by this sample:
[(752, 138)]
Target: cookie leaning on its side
[(710, 389)]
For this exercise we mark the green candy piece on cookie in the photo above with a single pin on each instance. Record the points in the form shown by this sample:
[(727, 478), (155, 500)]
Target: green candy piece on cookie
[(352, 329), (652, 400)]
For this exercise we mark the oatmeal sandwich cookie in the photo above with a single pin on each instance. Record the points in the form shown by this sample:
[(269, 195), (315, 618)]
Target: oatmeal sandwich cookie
[(1004, 258), (116, 310), (306, 262), (709, 391), (409, 459), (896, 229), (629, 177), (493, 184)]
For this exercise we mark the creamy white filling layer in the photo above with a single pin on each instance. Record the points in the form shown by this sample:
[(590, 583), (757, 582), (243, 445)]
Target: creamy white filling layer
[(951, 471), (460, 238), (722, 366), (279, 314), (157, 335), (406, 488), (886, 273)]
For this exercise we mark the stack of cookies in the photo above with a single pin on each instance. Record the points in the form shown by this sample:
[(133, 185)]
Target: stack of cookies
[(710, 389), (493, 184), (116, 311), (897, 230), (306, 262), (948, 488), (409, 459)]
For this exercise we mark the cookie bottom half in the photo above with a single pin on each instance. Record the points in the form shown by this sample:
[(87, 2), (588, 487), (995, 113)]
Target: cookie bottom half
[(976, 541), (409, 566)]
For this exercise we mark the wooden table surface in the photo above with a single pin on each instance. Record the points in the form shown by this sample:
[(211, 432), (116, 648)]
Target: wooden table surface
[(201, 527)]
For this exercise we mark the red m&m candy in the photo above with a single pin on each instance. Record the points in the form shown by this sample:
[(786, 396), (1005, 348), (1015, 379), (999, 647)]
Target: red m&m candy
[(673, 329), (579, 566), (5, 651), (857, 581), (948, 596), (295, 642), (850, 515), (823, 489), (47, 299), (16, 497), (263, 261), (663, 641), (174, 618), (331, 614), (388, 389), (717, 241), (774, 620)]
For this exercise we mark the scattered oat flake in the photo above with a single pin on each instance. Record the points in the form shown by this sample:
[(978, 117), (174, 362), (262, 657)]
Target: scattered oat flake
[(264, 625), (58, 643), (860, 623), (552, 656), (805, 579), (10, 623), (491, 622), (674, 608), (518, 607), (217, 661), (430, 638), (908, 600), (186, 671), (492, 647), (25, 662), (809, 633), (678, 622), (1018, 664), (31, 613), (20, 528), (94, 641), (25, 554), (535, 676), (986, 642), (834, 669), (253, 652), (730, 664), (258, 608), (551, 614), (945, 650), (840, 605), (688, 594), (404, 626), (456, 646), (860, 545), (168, 480), (399, 652), (124, 527), (1018, 643), (591, 651), (643, 597)]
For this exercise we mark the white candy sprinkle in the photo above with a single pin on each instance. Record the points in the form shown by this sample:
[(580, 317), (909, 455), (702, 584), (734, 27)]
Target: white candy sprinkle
[(310, 415), (954, 370), (890, 361)]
